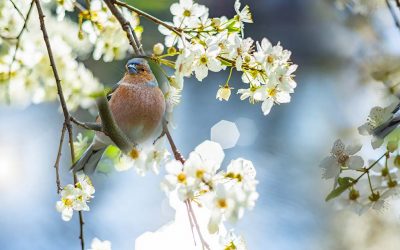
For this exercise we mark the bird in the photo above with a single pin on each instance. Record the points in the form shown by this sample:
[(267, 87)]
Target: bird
[(138, 107), (391, 124)]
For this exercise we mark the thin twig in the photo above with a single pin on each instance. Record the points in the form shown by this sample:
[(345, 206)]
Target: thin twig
[(148, 16), (132, 31), (88, 125), (393, 13), (57, 163), (124, 24), (18, 38), (366, 170), (18, 10), (67, 116), (203, 241), (191, 223), (175, 151)]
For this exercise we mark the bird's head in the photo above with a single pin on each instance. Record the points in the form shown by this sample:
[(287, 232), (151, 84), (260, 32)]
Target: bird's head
[(136, 66)]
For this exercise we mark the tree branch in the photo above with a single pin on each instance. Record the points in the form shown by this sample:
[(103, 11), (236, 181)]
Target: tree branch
[(88, 125), (126, 26), (18, 38), (57, 163), (67, 116), (148, 16)]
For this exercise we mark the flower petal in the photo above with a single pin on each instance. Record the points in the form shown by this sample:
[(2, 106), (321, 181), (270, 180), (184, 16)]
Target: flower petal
[(352, 149), (355, 162), (338, 147), (330, 167)]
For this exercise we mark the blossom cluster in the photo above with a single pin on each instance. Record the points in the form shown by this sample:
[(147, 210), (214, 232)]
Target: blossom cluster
[(105, 33), (225, 193), (75, 197), (103, 30), (27, 78), (148, 158), (204, 44), (358, 185)]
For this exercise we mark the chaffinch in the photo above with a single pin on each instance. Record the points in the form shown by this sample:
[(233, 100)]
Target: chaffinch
[(138, 106)]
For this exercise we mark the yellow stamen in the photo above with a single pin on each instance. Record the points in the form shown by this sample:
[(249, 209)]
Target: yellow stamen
[(181, 177), (134, 154), (222, 203)]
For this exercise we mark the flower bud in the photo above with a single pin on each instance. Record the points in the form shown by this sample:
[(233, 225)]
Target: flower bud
[(397, 161), (223, 93), (158, 49), (392, 146), (171, 50)]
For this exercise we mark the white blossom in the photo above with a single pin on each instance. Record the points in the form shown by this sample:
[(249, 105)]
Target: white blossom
[(75, 197), (376, 117), (97, 244), (206, 60), (341, 157), (186, 10)]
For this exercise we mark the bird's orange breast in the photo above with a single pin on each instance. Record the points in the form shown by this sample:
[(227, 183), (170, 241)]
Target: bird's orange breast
[(138, 109)]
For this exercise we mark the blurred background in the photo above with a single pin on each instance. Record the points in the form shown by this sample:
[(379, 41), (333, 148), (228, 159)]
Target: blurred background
[(286, 146)]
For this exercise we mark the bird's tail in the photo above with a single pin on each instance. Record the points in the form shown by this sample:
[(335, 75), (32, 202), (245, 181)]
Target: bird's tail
[(386, 128), (89, 160)]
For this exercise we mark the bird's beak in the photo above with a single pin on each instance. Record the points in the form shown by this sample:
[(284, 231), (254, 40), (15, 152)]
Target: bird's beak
[(132, 69)]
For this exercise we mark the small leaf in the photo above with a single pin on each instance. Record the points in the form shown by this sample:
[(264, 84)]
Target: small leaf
[(344, 184), (343, 181)]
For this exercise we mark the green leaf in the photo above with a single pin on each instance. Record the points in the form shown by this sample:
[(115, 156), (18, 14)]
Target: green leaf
[(344, 184), (345, 181)]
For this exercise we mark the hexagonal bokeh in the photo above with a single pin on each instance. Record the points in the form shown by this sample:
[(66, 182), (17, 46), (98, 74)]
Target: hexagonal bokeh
[(225, 133)]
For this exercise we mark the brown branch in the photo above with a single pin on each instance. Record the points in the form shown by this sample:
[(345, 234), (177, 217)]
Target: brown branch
[(57, 163), (148, 16), (67, 116), (138, 43), (178, 156), (124, 24), (87, 125), (18, 38)]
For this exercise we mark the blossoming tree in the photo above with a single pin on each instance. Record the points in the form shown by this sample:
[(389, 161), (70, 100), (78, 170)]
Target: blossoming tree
[(39, 62)]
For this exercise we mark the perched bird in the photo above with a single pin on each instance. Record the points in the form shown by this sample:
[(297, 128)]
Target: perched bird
[(387, 127), (138, 106)]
